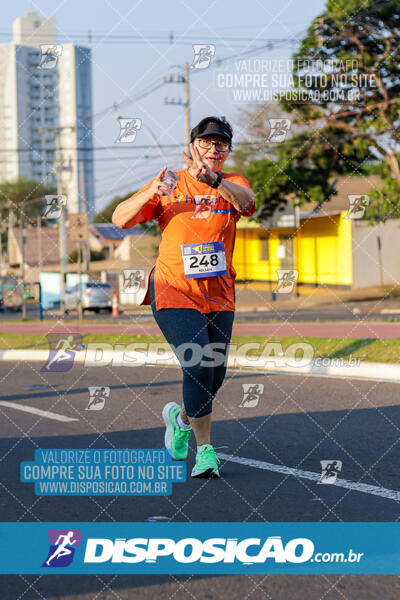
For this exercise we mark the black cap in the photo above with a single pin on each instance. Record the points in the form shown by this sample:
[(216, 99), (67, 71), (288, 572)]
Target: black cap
[(212, 129)]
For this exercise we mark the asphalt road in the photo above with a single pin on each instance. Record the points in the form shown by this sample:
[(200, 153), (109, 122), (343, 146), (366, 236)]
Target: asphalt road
[(298, 422), (349, 311)]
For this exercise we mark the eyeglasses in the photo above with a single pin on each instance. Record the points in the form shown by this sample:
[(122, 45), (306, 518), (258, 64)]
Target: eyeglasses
[(219, 146)]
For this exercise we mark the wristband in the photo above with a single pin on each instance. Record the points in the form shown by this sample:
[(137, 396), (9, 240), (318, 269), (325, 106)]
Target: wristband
[(217, 182)]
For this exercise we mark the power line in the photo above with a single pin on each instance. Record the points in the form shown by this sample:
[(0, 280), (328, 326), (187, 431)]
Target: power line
[(156, 38), (155, 85), (117, 147), (144, 177), (268, 44), (110, 158)]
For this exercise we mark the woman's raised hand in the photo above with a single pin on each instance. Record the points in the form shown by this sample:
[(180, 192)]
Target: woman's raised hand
[(157, 186), (197, 167)]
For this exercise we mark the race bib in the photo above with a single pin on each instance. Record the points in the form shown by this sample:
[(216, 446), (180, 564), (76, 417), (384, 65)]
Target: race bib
[(204, 260)]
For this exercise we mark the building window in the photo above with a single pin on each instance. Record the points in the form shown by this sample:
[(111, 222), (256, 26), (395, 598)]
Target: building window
[(263, 248)]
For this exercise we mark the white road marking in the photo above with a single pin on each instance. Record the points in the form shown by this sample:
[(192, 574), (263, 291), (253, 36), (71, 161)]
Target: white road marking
[(36, 411), (344, 483)]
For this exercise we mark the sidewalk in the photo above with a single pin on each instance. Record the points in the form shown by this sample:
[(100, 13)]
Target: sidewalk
[(257, 297)]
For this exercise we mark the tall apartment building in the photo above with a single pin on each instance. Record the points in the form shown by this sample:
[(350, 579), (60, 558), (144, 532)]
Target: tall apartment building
[(44, 95)]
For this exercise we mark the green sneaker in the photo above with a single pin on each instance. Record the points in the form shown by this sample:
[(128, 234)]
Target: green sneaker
[(176, 439), (206, 462)]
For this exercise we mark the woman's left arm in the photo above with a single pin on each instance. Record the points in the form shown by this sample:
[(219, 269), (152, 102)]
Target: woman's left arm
[(242, 198)]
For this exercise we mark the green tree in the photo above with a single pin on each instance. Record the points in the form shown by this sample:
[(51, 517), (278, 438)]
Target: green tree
[(256, 130), (354, 106), (105, 215), (344, 118), (15, 194)]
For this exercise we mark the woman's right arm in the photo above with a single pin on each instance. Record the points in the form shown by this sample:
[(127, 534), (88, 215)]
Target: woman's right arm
[(127, 210)]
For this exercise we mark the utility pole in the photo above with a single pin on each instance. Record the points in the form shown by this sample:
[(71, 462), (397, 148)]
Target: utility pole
[(186, 103), (39, 232), (62, 233), (3, 229), (187, 109), (79, 224), (298, 229), (23, 260), (80, 308), (83, 208)]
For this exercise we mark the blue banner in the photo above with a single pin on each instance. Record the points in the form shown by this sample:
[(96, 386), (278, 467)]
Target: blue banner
[(200, 548), (110, 472)]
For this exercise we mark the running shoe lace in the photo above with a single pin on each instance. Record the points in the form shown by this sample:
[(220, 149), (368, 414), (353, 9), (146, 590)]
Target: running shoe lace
[(182, 436), (206, 454)]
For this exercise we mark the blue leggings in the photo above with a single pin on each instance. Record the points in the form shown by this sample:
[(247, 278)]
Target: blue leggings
[(184, 326)]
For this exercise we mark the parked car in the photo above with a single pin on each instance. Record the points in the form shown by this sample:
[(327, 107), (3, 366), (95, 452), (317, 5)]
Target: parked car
[(96, 296)]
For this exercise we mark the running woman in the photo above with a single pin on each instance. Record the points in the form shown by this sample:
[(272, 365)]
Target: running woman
[(191, 287)]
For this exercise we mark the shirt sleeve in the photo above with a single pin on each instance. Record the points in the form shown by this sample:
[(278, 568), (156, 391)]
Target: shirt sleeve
[(151, 210), (240, 180)]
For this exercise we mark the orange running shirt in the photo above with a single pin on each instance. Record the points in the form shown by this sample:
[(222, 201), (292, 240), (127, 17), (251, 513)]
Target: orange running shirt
[(195, 213)]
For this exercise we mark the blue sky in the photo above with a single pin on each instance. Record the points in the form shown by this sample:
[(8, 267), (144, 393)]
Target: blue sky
[(122, 70)]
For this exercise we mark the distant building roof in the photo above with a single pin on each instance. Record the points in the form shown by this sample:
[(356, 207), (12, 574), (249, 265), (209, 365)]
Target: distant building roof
[(344, 186), (106, 234)]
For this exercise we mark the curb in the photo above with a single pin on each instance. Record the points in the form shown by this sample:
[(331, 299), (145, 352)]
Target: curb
[(273, 364)]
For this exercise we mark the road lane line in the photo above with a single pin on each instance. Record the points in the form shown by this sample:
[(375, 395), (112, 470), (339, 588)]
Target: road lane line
[(344, 483), (36, 411)]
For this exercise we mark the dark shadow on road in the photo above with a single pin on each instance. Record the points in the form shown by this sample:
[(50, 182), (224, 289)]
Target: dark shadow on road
[(298, 440), (31, 395)]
